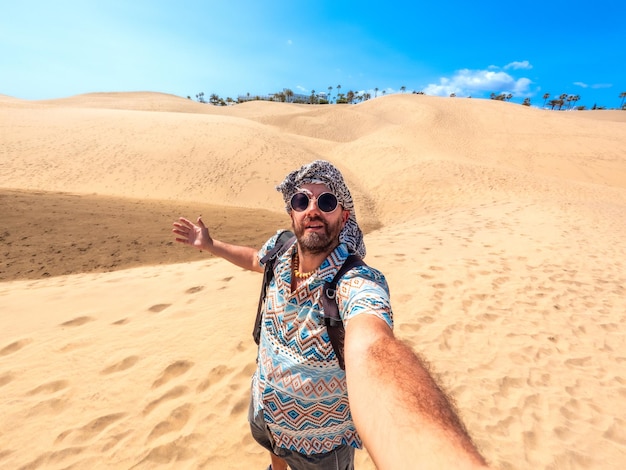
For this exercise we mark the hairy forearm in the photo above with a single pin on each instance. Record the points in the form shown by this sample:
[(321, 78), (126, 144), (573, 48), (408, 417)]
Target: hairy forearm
[(198, 236), (403, 417), (242, 256)]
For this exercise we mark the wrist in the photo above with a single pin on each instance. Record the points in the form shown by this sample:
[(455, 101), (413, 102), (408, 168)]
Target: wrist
[(208, 245)]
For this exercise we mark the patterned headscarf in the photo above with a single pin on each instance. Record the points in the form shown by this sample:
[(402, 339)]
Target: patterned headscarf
[(323, 172)]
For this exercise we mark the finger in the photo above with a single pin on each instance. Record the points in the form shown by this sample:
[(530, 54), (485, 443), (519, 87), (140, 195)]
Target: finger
[(200, 222), (185, 222)]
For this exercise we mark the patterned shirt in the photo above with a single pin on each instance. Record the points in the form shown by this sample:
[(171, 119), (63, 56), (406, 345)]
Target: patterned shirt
[(299, 385)]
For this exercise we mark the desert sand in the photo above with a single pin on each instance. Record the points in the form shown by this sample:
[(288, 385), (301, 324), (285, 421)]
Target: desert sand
[(501, 230)]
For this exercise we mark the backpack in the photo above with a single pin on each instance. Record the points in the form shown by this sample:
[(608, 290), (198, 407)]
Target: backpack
[(332, 319)]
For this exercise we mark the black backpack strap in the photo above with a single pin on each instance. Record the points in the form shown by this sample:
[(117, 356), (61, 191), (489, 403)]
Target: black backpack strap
[(283, 242), (332, 319)]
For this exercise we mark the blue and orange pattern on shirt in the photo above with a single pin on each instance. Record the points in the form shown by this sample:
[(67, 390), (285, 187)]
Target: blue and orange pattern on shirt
[(298, 385)]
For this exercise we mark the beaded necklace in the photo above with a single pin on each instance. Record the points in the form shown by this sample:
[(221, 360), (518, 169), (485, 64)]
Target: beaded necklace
[(296, 272)]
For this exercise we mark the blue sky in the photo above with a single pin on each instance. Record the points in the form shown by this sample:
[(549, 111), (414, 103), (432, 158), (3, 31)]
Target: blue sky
[(233, 47)]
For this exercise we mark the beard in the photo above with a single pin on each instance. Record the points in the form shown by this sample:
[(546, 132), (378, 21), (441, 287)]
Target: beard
[(318, 242)]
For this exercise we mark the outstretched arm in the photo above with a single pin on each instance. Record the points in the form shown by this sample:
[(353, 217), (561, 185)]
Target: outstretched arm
[(403, 417), (198, 236)]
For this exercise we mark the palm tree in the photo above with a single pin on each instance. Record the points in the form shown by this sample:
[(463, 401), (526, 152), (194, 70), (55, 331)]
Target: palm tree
[(312, 96), (526, 102), (375, 92), (338, 88), (402, 88), (622, 95), (330, 90), (500, 97), (571, 98), (545, 98), (288, 94), (350, 96)]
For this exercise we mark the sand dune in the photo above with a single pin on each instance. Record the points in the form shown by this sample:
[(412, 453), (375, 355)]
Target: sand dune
[(501, 230)]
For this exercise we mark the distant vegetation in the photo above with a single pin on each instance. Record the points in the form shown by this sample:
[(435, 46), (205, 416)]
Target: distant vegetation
[(351, 97)]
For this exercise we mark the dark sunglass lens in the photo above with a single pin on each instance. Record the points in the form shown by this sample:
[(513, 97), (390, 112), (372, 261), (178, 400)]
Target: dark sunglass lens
[(327, 202), (299, 202)]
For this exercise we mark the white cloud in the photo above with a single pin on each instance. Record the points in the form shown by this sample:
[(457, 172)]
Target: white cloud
[(468, 82), (518, 65), (581, 84), (289, 42), (601, 85)]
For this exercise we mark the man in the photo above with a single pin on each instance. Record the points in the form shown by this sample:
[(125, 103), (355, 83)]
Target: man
[(306, 410)]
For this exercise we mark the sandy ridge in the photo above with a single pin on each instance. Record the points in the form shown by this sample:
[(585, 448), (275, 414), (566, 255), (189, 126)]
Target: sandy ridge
[(500, 230)]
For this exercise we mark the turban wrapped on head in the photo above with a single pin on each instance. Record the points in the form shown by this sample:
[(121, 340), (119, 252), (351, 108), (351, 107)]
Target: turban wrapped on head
[(323, 172)]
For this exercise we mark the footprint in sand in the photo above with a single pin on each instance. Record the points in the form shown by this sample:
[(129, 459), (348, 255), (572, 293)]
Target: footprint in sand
[(91, 429), (404, 298), (158, 307), (215, 375), (78, 321), (174, 422), (499, 281), (124, 364), (50, 387), (182, 447), (530, 440), (616, 432), (172, 394), (43, 459), (226, 279), (564, 434), (247, 371), (6, 378), (172, 371), (115, 440), (194, 290), (15, 346), (578, 361), (54, 406), (241, 406)]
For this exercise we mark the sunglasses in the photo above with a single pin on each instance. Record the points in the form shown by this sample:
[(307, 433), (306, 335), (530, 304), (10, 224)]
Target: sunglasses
[(326, 202)]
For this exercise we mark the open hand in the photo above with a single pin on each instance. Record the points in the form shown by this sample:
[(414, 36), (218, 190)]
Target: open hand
[(188, 233)]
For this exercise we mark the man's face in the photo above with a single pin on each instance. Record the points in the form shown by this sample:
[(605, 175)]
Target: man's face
[(317, 231)]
